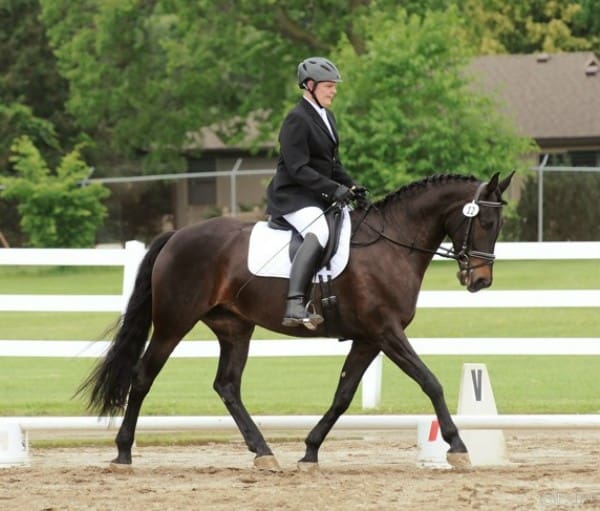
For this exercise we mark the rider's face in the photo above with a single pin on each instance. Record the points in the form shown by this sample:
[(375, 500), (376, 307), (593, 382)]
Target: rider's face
[(325, 92)]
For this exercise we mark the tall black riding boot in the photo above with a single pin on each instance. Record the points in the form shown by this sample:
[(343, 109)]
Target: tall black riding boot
[(303, 268)]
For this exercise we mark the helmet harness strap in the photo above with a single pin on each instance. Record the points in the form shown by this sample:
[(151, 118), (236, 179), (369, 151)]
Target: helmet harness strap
[(312, 92)]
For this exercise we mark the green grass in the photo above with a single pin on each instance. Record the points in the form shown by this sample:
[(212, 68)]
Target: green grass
[(559, 322), (525, 384), (559, 274), (521, 384), (84, 280)]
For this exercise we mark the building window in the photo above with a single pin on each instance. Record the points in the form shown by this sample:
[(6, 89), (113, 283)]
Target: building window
[(573, 159), (202, 191)]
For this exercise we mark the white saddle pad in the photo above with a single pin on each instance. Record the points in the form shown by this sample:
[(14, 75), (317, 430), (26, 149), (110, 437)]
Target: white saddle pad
[(268, 253)]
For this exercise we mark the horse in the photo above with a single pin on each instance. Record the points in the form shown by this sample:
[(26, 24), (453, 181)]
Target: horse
[(199, 273)]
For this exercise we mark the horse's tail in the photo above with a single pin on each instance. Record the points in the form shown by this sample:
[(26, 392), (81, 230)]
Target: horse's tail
[(111, 379)]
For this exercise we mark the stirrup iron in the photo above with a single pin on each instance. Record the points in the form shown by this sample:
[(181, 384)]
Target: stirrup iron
[(312, 319)]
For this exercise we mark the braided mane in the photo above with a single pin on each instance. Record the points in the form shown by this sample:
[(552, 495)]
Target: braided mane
[(422, 185)]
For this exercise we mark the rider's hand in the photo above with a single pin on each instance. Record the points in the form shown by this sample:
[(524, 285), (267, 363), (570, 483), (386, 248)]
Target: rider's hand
[(359, 191), (343, 194), (360, 197)]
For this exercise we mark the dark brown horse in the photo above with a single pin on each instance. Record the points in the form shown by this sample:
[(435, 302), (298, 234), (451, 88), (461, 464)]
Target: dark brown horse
[(199, 273)]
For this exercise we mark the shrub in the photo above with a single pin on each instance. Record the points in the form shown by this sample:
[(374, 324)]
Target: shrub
[(57, 210)]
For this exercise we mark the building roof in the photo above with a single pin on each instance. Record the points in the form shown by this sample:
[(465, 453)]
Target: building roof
[(554, 96)]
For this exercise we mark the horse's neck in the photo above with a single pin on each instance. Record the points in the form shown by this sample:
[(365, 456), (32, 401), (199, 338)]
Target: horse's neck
[(420, 216), (416, 220)]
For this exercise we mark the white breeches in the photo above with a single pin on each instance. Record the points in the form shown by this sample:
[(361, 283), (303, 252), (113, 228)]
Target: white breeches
[(310, 219)]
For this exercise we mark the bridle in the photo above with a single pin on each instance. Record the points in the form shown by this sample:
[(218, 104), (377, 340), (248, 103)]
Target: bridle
[(463, 257), (471, 211)]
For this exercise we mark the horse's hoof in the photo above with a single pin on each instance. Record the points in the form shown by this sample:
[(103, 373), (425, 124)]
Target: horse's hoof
[(121, 468), (267, 463), (459, 460), (307, 466)]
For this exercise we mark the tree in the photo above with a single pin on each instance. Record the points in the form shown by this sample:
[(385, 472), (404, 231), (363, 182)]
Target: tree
[(529, 26), (144, 75), (15, 120), (56, 210), (30, 85), (407, 109), (32, 96)]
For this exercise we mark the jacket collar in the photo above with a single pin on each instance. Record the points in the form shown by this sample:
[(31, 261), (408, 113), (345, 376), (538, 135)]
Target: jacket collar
[(318, 120)]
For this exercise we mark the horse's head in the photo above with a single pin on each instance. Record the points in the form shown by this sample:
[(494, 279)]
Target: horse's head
[(478, 228)]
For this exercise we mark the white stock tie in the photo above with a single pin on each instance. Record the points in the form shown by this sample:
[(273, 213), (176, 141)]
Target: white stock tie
[(323, 114)]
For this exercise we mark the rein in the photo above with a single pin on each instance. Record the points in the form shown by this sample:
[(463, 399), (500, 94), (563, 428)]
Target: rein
[(447, 253), (470, 211)]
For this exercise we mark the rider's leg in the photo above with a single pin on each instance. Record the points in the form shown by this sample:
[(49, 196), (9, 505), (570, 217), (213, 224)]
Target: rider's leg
[(311, 223)]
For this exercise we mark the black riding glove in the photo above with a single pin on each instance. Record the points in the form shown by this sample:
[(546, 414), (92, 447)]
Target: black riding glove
[(360, 197), (359, 191), (343, 194)]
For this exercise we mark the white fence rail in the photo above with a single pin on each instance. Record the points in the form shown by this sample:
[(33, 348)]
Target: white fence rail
[(306, 422), (130, 257)]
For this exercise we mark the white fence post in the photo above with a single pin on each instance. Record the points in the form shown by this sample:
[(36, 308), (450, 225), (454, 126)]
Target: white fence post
[(134, 253), (371, 384)]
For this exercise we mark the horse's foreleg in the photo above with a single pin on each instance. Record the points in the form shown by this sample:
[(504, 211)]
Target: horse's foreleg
[(357, 362), (144, 375), (399, 350), (232, 361)]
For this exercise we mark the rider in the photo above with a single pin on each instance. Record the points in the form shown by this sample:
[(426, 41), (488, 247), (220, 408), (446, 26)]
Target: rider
[(309, 177)]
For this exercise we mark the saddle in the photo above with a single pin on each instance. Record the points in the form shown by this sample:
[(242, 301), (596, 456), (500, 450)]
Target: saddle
[(334, 216)]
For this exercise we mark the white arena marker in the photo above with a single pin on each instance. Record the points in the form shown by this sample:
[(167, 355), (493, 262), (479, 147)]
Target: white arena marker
[(432, 448), (475, 397), (13, 445)]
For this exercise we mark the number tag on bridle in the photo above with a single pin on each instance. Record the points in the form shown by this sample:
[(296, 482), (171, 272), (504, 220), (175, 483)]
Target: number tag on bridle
[(470, 209)]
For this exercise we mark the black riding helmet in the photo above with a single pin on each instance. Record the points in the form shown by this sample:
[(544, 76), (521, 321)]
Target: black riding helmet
[(318, 69)]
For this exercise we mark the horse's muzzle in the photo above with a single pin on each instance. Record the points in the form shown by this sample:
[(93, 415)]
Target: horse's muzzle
[(475, 279)]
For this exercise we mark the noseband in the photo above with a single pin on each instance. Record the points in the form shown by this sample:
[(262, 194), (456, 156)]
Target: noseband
[(471, 211)]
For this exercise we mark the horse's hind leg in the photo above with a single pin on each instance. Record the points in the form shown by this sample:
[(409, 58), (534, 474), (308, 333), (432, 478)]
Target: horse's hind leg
[(358, 360), (145, 373), (234, 340), (399, 350)]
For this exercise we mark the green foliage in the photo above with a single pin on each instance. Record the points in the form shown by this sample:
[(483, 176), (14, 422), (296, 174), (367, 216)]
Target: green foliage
[(497, 26), (407, 109), (56, 210), (143, 76), (511, 220), (16, 120), (30, 85), (570, 207)]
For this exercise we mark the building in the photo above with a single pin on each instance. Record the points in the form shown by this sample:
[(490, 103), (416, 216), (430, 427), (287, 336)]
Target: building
[(554, 99)]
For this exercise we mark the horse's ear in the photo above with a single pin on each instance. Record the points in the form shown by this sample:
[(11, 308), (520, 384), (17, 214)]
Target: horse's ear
[(492, 184), (503, 185)]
